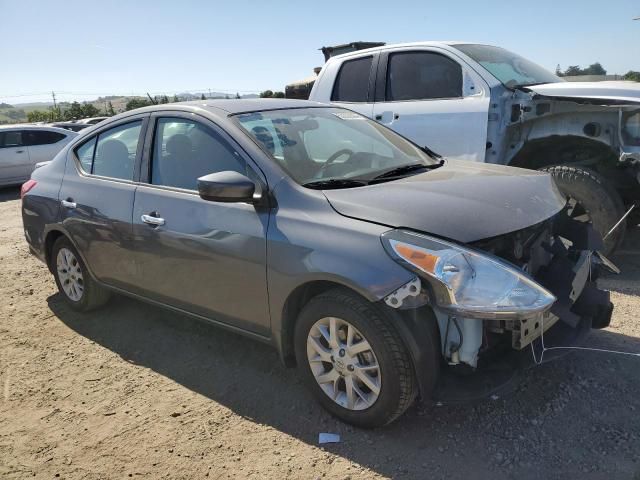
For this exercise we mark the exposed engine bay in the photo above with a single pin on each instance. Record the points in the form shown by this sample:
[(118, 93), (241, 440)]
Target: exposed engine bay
[(561, 254)]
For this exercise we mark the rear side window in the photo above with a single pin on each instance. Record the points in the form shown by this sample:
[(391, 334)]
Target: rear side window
[(113, 152), (352, 83), (184, 150), (85, 154), (42, 137), (12, 138), (422, 76)]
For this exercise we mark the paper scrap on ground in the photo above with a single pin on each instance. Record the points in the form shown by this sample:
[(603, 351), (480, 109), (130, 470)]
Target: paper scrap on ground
[(328, 438)]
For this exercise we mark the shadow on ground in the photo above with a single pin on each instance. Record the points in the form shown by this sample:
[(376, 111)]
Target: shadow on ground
[(536, 432), (9, 193)]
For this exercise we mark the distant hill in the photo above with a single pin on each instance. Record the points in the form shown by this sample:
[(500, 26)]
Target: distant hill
[(17, 113)]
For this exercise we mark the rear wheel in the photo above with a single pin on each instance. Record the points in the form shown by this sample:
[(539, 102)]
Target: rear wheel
[(74, 282), (353, 360), (592, 199)]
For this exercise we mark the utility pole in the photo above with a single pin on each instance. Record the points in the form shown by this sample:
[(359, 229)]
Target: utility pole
[(53, 94), (209, 93)]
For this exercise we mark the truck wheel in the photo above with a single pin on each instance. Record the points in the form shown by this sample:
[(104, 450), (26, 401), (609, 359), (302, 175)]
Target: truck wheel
[(353, 359), (592, 199), (73, 279)]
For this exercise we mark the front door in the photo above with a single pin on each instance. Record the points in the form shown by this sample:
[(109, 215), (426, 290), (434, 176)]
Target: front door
[(14, 157), (429, 97), (203, 257)]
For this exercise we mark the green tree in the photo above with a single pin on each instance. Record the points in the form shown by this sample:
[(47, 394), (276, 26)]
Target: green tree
[(595, 69), (110, 111), (74, 112), (38, 116), (278, 94), (136, 103), (632, 75), (164, 99), (202, 97), (573, 70), (175, 98), (89, 110), (266, 94), (238, 96)]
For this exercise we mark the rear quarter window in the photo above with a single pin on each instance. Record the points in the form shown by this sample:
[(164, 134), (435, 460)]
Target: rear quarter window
[(35, 138)]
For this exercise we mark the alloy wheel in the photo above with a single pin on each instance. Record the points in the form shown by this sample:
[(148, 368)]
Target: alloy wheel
[(70, 274), (343, 363)]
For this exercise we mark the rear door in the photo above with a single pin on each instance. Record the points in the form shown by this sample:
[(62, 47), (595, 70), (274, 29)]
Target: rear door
[(204, 257), (44, 144), (97, 199), (14, 157), (429, 96)]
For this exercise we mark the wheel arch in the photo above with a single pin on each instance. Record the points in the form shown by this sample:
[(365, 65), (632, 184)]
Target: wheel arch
[(564, 150), (293, 305)]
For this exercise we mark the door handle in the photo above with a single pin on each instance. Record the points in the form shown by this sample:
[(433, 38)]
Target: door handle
[(151, 220), (68, 203), (19, 151), (378, 117)]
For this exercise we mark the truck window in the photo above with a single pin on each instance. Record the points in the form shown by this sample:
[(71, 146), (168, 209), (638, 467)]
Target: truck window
[(352, 82), (422, 76)]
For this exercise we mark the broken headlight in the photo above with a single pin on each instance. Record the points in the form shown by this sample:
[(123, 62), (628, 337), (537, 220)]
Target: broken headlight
[(465, 281)]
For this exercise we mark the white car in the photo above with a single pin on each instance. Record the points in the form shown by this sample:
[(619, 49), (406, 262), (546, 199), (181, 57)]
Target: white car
[(23, 146)]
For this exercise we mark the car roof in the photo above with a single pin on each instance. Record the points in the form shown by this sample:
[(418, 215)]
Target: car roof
[(224, 108), (27, 126), (389, 46), (246, 105)]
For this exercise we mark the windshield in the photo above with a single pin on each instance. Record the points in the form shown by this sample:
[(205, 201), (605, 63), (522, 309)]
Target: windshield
[(332, 147), (511, 69)]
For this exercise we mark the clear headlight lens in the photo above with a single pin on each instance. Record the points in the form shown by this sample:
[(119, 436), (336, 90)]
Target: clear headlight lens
[(466, 281)]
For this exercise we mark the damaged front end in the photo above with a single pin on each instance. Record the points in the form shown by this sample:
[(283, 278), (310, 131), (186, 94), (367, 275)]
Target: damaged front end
[(543, 281)]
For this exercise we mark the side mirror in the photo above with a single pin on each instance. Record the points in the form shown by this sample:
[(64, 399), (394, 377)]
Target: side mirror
[(226, 187)]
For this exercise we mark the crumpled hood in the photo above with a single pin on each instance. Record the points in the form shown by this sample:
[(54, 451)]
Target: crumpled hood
[(612, 91), (463, 201)]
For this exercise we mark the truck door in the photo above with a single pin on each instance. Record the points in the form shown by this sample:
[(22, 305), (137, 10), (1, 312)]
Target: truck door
[(432, 98), (353, 85)]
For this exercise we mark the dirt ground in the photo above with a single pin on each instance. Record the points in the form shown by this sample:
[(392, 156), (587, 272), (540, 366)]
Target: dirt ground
[(135, 391)]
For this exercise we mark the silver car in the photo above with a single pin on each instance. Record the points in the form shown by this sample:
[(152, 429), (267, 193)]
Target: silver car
[(23, 146)]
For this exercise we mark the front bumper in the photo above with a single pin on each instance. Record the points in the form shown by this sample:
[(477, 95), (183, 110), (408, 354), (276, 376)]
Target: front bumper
[(562, 260)]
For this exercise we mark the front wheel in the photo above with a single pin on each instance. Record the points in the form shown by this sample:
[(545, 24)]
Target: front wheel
[(592, 199), (353, 360)]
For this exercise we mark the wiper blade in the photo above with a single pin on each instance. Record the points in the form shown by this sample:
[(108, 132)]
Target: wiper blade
[(333, 183), (431, 153), (405, 170)]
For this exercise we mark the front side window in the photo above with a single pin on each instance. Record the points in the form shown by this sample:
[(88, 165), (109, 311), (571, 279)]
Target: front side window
[(115, 151), (332, 144), (42, 137), (422, 76), (184, 150), (12, 138), (510, 69), (352, 82)]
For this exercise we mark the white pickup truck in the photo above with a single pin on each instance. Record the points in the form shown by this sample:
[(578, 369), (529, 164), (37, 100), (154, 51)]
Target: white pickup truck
[(485, 104)]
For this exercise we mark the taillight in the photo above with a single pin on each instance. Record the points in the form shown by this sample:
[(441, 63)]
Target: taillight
[(26, 187)]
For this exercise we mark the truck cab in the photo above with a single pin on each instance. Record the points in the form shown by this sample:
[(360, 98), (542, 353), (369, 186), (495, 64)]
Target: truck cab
[(482, 103)]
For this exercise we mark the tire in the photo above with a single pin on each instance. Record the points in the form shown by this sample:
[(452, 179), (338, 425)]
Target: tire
[(394, 376), (599, 200), (74, 281)]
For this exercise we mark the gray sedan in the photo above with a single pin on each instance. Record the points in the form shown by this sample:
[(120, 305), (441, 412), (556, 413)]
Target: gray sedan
[(380, 269)]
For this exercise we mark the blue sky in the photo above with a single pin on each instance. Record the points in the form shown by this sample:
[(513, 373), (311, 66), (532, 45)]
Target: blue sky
[(83, 49)]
